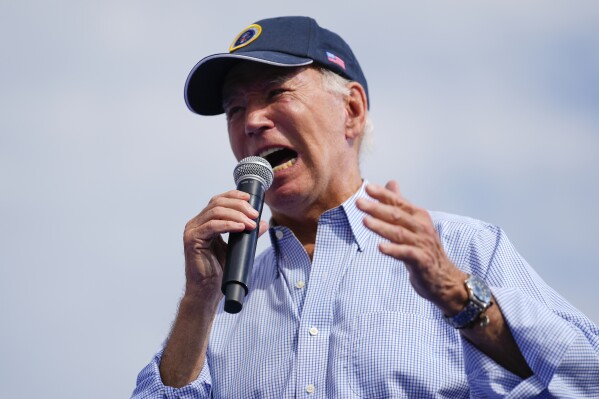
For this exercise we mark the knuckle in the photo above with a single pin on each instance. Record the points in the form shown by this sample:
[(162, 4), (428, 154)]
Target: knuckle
[(397, 234), (419, 211), (425, 215), (190, 231), (410, 253), (210, 225), (211, 213), (395, 216), (429, 229), (187, 236)]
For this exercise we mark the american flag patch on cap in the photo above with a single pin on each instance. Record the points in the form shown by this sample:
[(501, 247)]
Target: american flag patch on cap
[(333, 58)]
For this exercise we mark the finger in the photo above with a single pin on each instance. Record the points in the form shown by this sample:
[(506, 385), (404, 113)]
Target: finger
[(238, 202), (409, 254), (215, 221), (236, 194), (202, 235), (387, 196), (394, 233), (226, 214), (222, 208), (388, 213), (393, 186)]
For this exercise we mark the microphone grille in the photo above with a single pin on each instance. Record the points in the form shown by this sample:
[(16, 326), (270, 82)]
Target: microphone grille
[(256, 167)]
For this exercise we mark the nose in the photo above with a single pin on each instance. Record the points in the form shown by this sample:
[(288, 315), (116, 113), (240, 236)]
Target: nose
[(257, 119)]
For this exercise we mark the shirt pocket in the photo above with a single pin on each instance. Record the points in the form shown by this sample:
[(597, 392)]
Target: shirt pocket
[(401, 355)]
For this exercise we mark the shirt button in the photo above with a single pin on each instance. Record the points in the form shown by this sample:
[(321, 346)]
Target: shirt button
[(310, 388), (279, 234), (313, 331), (300, 284)]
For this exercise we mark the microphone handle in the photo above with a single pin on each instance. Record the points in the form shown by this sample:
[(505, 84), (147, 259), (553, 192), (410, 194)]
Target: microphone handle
[(241, 251)]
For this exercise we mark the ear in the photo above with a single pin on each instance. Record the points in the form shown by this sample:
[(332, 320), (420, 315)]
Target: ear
[(356, 109)]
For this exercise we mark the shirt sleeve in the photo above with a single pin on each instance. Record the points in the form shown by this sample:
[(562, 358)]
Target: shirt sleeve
[(150, 386), (559, 343)]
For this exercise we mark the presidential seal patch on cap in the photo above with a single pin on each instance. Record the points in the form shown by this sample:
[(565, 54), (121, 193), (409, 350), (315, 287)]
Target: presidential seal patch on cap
[(246, 36)]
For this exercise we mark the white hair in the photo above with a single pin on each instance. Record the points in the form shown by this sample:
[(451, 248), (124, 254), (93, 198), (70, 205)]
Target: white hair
[(338, 84)]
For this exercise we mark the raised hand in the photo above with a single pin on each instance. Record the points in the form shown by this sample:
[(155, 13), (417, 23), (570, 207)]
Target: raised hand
[(414, 240)]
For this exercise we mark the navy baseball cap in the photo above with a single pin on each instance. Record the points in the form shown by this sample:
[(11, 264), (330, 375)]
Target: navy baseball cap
[(283, 41)]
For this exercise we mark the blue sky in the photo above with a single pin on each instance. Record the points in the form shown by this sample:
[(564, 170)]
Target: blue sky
[(486, 110)]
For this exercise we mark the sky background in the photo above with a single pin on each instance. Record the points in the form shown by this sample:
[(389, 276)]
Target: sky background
[(486, 109)]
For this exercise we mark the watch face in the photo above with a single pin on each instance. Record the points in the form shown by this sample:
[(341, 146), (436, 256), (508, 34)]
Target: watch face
[(480, 289)]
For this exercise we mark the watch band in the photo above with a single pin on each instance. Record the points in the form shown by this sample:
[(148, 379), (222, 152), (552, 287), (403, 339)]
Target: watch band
[(479, 300)]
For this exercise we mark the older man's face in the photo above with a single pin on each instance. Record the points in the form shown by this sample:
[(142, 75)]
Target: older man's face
[(287, 116)]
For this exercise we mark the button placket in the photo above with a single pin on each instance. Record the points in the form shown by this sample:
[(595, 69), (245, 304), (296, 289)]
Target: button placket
[(316, 321)]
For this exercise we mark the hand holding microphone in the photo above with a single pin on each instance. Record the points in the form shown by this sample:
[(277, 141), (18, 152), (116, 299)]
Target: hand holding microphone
[(232, 212), (253, 175)]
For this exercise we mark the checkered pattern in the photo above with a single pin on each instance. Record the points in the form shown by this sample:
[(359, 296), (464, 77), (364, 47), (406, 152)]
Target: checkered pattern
[(355, 328)]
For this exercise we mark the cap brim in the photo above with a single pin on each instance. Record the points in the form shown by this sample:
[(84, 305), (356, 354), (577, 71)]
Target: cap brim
[(203, 88)]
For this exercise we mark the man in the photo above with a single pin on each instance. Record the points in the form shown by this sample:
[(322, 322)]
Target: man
[(362, 294)]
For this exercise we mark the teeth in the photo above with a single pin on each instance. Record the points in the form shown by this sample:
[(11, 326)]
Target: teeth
[(285, 165), (269, 151), (282, 166)]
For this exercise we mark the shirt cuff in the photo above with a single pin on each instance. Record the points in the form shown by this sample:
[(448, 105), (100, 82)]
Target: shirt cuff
[(150, 385), (543, 338)]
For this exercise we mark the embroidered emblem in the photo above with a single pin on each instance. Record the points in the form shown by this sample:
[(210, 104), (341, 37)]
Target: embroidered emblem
[(336, 60), (246, 36)]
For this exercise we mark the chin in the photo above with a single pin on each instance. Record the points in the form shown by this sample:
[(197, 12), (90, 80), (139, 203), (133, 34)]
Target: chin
[(284, 198)]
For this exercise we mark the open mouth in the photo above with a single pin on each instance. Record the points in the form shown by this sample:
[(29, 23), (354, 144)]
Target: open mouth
[(279, 158)]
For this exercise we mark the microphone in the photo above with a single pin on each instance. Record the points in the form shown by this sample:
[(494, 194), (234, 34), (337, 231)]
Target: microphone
[(252, 175)]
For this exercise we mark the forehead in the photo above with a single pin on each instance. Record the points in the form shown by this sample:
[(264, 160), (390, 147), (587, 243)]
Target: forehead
[(251, 74)]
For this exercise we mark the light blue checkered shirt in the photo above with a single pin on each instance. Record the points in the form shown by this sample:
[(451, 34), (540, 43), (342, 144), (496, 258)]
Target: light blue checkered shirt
[(349, 325)]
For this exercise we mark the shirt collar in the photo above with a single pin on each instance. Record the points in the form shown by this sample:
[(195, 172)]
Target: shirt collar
[(355, 217), (348, 208)]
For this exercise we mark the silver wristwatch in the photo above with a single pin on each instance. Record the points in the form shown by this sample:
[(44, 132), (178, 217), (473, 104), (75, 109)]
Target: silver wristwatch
[(479, 300)]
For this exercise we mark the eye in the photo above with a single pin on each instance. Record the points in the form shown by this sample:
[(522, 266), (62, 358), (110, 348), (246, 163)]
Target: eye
[(276, 92), (232, 111)]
